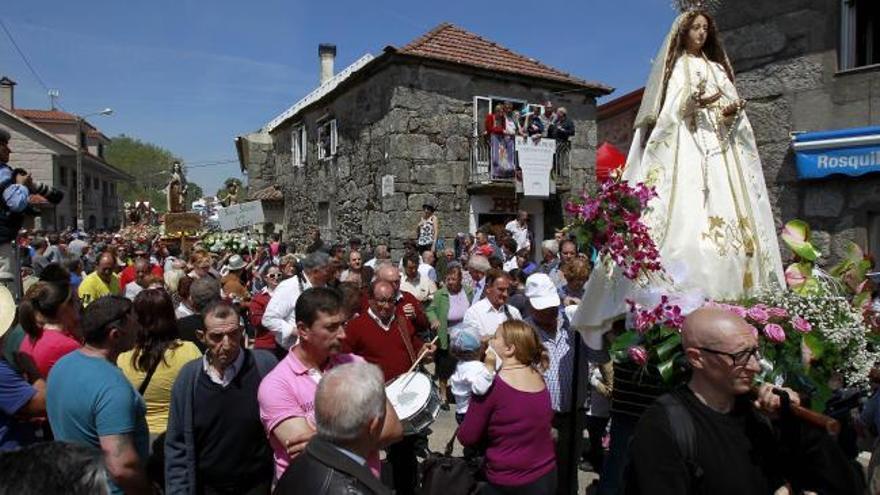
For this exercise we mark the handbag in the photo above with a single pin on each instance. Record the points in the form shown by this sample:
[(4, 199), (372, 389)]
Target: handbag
[(156, 461), (443, 473)]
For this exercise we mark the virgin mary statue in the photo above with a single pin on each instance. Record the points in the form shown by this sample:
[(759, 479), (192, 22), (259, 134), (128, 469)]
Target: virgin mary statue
[(711, 219)]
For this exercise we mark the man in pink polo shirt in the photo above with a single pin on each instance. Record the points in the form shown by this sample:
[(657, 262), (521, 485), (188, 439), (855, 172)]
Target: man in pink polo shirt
[(287, 393)]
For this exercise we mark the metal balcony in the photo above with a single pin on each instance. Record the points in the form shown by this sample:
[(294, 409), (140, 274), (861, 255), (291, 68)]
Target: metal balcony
[(480, 162)]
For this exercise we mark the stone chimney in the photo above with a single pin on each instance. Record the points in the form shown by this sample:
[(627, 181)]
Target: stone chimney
[(7, 93), (327, 53)]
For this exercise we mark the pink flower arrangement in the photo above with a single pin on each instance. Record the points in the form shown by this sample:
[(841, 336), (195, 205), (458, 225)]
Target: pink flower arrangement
[(758, 314), (638, 355), (801, 324), (768, 321), (774, 332), (610, 222), (664, 314)]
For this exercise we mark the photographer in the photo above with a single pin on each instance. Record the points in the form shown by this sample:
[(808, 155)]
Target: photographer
[(14, 195), (15, 187)]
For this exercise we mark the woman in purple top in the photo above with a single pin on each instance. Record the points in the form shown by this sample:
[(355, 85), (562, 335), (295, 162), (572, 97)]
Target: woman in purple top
[(515, 417)]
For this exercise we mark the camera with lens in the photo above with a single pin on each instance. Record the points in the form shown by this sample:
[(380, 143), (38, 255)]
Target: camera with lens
[(51, 194)]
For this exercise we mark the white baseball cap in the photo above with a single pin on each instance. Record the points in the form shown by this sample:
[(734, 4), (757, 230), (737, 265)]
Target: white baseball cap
[(542, 292)]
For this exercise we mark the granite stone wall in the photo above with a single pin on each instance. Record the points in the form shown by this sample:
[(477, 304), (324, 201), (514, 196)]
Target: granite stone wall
[(784, 54)]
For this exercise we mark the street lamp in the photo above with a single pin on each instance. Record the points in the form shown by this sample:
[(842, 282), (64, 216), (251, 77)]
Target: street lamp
[(80, 220)]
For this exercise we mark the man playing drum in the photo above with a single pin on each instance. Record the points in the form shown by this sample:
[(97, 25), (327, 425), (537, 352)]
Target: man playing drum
[(390, 343), (287, 394)]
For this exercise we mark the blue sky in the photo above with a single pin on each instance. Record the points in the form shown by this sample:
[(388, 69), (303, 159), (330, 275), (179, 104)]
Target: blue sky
[(191, 75)]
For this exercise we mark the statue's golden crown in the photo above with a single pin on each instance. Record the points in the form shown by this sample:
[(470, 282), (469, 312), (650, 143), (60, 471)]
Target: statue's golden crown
[(692, 5)]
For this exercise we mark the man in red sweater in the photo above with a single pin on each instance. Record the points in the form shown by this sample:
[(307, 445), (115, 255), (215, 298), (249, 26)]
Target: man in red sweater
[(406, 306), (389, 341)]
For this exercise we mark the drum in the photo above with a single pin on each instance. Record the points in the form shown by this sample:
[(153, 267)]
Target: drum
[(415, 399)]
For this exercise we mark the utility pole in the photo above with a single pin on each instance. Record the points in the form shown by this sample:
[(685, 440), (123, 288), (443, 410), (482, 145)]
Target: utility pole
[(82, 141)]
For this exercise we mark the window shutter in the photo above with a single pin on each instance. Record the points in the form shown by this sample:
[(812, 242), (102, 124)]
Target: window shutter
[(333, 140), (304, 144)]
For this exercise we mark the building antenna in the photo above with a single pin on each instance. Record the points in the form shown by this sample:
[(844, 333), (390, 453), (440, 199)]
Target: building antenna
[(54, 94)]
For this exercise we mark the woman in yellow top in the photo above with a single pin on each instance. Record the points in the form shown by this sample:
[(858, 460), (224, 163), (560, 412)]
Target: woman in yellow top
[(157, 346)]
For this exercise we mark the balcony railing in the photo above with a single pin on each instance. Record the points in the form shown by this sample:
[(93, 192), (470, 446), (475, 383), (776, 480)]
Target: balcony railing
[(481, 163)]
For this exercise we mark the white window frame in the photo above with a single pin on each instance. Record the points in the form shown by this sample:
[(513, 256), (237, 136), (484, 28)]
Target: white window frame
[(848, 37), (298, 145), (331, 125)]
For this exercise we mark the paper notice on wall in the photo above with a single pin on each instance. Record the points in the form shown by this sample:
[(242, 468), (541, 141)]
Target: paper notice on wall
[(536, 163), (240, 215), (387, 186)]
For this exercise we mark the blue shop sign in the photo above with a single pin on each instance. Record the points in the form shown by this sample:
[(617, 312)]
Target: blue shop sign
[(850, 152)]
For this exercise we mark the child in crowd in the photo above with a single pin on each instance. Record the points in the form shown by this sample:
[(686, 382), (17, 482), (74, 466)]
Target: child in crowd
[(471, 376)]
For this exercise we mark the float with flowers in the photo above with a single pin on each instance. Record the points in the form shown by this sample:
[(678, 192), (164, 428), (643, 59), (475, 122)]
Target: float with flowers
[(816, 335)]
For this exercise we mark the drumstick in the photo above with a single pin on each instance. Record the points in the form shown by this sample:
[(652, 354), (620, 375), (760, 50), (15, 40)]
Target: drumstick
[(421, 356), (416, 363)]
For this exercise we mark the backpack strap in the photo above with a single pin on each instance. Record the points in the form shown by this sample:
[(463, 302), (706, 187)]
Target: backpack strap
[(684, 432)]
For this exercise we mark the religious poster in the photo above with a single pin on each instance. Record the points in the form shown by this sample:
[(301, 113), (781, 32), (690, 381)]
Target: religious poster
[(536, 164), (240, 215)]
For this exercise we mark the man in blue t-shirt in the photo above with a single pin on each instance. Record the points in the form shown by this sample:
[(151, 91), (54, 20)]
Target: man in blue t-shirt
[(18, 400), (91, 402)]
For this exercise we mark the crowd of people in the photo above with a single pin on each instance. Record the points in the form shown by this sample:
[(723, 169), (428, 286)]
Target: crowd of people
[(202, 373), (247, 372)]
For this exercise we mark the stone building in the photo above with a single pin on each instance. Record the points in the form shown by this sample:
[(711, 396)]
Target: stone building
[(805, 67), (44, 142), (615, 119), (360, 155)]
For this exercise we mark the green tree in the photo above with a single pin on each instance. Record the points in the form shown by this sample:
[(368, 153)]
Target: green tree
[(150, 165), (194, 192)]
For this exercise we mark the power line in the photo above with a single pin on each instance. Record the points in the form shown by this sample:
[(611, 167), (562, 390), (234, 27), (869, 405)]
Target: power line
[(24, 57), (203, 165), (211, 160)]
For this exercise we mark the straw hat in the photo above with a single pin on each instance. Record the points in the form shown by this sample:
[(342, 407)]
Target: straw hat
[(7, 310)]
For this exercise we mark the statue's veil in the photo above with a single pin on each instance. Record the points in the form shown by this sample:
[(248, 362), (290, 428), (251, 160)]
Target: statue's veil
[(655, 89)]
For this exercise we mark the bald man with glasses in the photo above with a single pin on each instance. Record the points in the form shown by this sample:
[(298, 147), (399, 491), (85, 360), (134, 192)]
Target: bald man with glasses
[(715, 435)]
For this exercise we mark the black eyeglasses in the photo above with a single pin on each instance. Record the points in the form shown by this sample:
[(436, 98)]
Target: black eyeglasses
[(740, 358), (273, 275)]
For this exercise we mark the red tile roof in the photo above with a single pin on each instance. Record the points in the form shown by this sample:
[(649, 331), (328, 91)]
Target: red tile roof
[(453, 44), (45, 115), (271, 193), (620, 104)]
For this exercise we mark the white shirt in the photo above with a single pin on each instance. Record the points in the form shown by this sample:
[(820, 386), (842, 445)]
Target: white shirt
[(422, 287), (510, 264), (519, 234), (487, 318), (428, 271), (373, 262), (182, 311), (132, 289), (280, 315), (469, 378), (228, 374)]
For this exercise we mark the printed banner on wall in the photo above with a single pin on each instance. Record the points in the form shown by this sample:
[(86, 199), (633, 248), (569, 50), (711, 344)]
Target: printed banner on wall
[(536, 164)]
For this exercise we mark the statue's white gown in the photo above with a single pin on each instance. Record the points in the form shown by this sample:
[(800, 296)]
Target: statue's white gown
[(711, 220)]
